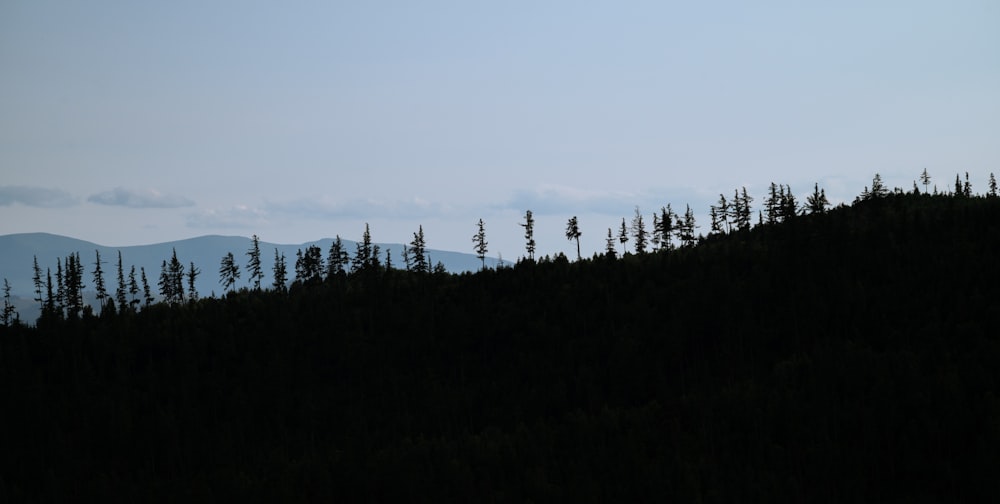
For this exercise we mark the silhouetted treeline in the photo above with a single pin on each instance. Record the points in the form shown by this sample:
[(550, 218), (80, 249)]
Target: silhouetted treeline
[(844, 356)]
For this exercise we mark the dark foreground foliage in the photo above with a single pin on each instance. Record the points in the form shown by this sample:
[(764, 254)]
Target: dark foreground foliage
[(842, 357)]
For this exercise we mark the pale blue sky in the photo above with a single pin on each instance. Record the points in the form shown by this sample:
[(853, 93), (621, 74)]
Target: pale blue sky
[(136, 122)]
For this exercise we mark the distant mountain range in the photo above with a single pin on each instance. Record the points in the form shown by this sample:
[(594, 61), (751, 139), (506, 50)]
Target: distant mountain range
[(18, 250)]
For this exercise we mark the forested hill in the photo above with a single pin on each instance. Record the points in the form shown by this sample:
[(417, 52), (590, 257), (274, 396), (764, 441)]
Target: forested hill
[(845, 356)]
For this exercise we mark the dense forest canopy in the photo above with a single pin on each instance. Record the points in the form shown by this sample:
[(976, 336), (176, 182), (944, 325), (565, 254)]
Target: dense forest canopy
[(787, 352)]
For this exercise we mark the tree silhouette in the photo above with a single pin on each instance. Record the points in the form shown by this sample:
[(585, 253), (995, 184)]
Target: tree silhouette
[(925, 179), (364, 252), (573, 233), (147, 293), (529, 235), (102, 291), (993, 186), (9, 315), (479, 242), (609, 249), (418, 249), (229, 272), (120, 292), (623, 236), (817, 202), (133, 288), (253, 265), (280, 271), (337, 259), (36, 277), (192, 275), (639, 232)]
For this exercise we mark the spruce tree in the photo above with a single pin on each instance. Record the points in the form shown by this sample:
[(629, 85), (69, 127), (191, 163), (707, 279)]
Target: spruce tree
[(479, 243), (229, 272), (120, 296), (639, 232), (817, 202), (37, 279), (993, 187), (279, 272), (609, 249), (337, 259), (529, 235), (253, 264), (192, 275), (147, 293), (925, 178), (573, 233), (418, 249), (363, 252), (9, 314), (623, 236), (176, 273), (102, 292), (133, 289)]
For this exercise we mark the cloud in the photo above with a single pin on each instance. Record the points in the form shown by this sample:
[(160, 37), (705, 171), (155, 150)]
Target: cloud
[(359, 209), (36, 197), (237, 217), (139, 199)]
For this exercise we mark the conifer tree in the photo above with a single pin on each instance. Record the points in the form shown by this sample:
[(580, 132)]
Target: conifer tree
[(967, 187), (166, 286), (37, 279), (771, 204), (623, 236), (479, 243), (639, 232), (49, 297), (724, 213), (609, 249), (817, 202), (253, 264), (280, 272), (102, 292), (337, 259), (147, 293), (529, 235), (743, 222), (60, 287), (687, 228), (573, 233), (878, 188), (925, 179), (133, 289), (120, 296), (958, 186), (668, 227), (192, 275), (388, 259), (363, 252), (655, 236), (993, 187), (9, 314), (789, 207), (418, 248), (176, 273), (407, 261), (229, 272)]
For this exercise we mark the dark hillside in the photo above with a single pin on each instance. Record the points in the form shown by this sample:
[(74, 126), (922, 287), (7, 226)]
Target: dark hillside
[(849, 356)]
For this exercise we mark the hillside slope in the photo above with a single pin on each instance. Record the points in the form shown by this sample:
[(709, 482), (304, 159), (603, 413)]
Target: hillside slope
[(849, 356)]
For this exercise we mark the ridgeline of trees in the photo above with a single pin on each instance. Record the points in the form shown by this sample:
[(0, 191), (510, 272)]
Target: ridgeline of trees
[(845, 354)]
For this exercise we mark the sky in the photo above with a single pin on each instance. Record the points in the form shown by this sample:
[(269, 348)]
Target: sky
[(127, 123)]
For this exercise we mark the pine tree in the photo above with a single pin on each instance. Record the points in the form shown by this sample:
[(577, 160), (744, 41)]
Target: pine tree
[(668, 227), (713, 215), (925, 178), (133, 289), (609, 249), (166, 286), (529, 235), (687, 228), (120, 296), (573, 233), (102, 292), (192, 275), (878, 188), (745, 199), (771, 204), (479, 243), (309, 265), (49, 297), (639, 232), (37, 279), (229, 272), (724, 213), (789, 208), (147, 293), (253, 265), (958, 186), (60, 287), (623, 236), (280, 272), (967, 187), (388, 259), (363, 252), (817, 202), (407, 261), (993, 187), (176, 273), (655, 237), (418, 248), (337, 259), (9, 315)]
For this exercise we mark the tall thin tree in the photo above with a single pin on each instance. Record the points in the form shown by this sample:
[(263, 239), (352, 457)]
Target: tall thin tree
[(479, 243), (253, 264), (529, 234), (573, 233)]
